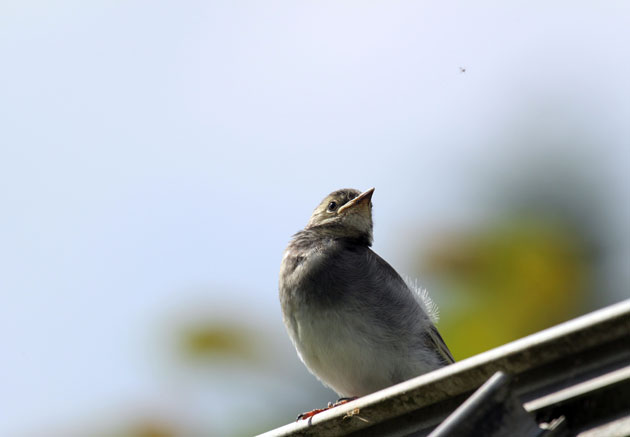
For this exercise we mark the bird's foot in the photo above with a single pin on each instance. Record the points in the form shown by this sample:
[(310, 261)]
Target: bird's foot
[(342, 401), (309, 414)]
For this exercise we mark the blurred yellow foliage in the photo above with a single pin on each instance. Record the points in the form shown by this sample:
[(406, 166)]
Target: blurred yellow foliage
[(151, 429), (215, 340), (508, 280)]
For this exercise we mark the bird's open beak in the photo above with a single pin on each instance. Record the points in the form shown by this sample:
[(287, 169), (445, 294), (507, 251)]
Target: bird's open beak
[(362, 200)]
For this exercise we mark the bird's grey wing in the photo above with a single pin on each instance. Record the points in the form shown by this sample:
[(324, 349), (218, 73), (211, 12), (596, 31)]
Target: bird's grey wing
[(440, 346), (399, 286)]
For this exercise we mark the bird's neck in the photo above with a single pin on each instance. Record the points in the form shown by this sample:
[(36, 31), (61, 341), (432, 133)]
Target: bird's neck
[(336, 232)]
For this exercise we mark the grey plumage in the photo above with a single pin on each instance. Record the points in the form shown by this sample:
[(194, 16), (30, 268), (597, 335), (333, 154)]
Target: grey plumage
[(354, 321)]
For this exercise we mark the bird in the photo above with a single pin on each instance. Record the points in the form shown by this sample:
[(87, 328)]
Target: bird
[(356, 324)]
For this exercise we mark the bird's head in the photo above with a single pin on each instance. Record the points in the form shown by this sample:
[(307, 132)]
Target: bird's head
[(345, 213)]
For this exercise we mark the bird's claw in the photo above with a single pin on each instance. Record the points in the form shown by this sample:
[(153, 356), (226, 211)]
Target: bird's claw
[(311, 413), (342, 401)]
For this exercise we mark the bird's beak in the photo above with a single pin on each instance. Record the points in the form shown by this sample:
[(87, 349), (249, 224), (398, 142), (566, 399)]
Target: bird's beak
[(362, 200)]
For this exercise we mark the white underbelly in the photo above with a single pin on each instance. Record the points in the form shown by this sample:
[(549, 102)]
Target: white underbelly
[(338, 351)]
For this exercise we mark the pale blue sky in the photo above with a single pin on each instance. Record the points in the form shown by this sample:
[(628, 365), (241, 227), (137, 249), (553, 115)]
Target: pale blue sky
[(155, 154)]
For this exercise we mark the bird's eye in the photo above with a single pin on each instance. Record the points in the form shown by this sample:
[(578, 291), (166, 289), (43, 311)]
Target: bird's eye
[(332, 206)]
